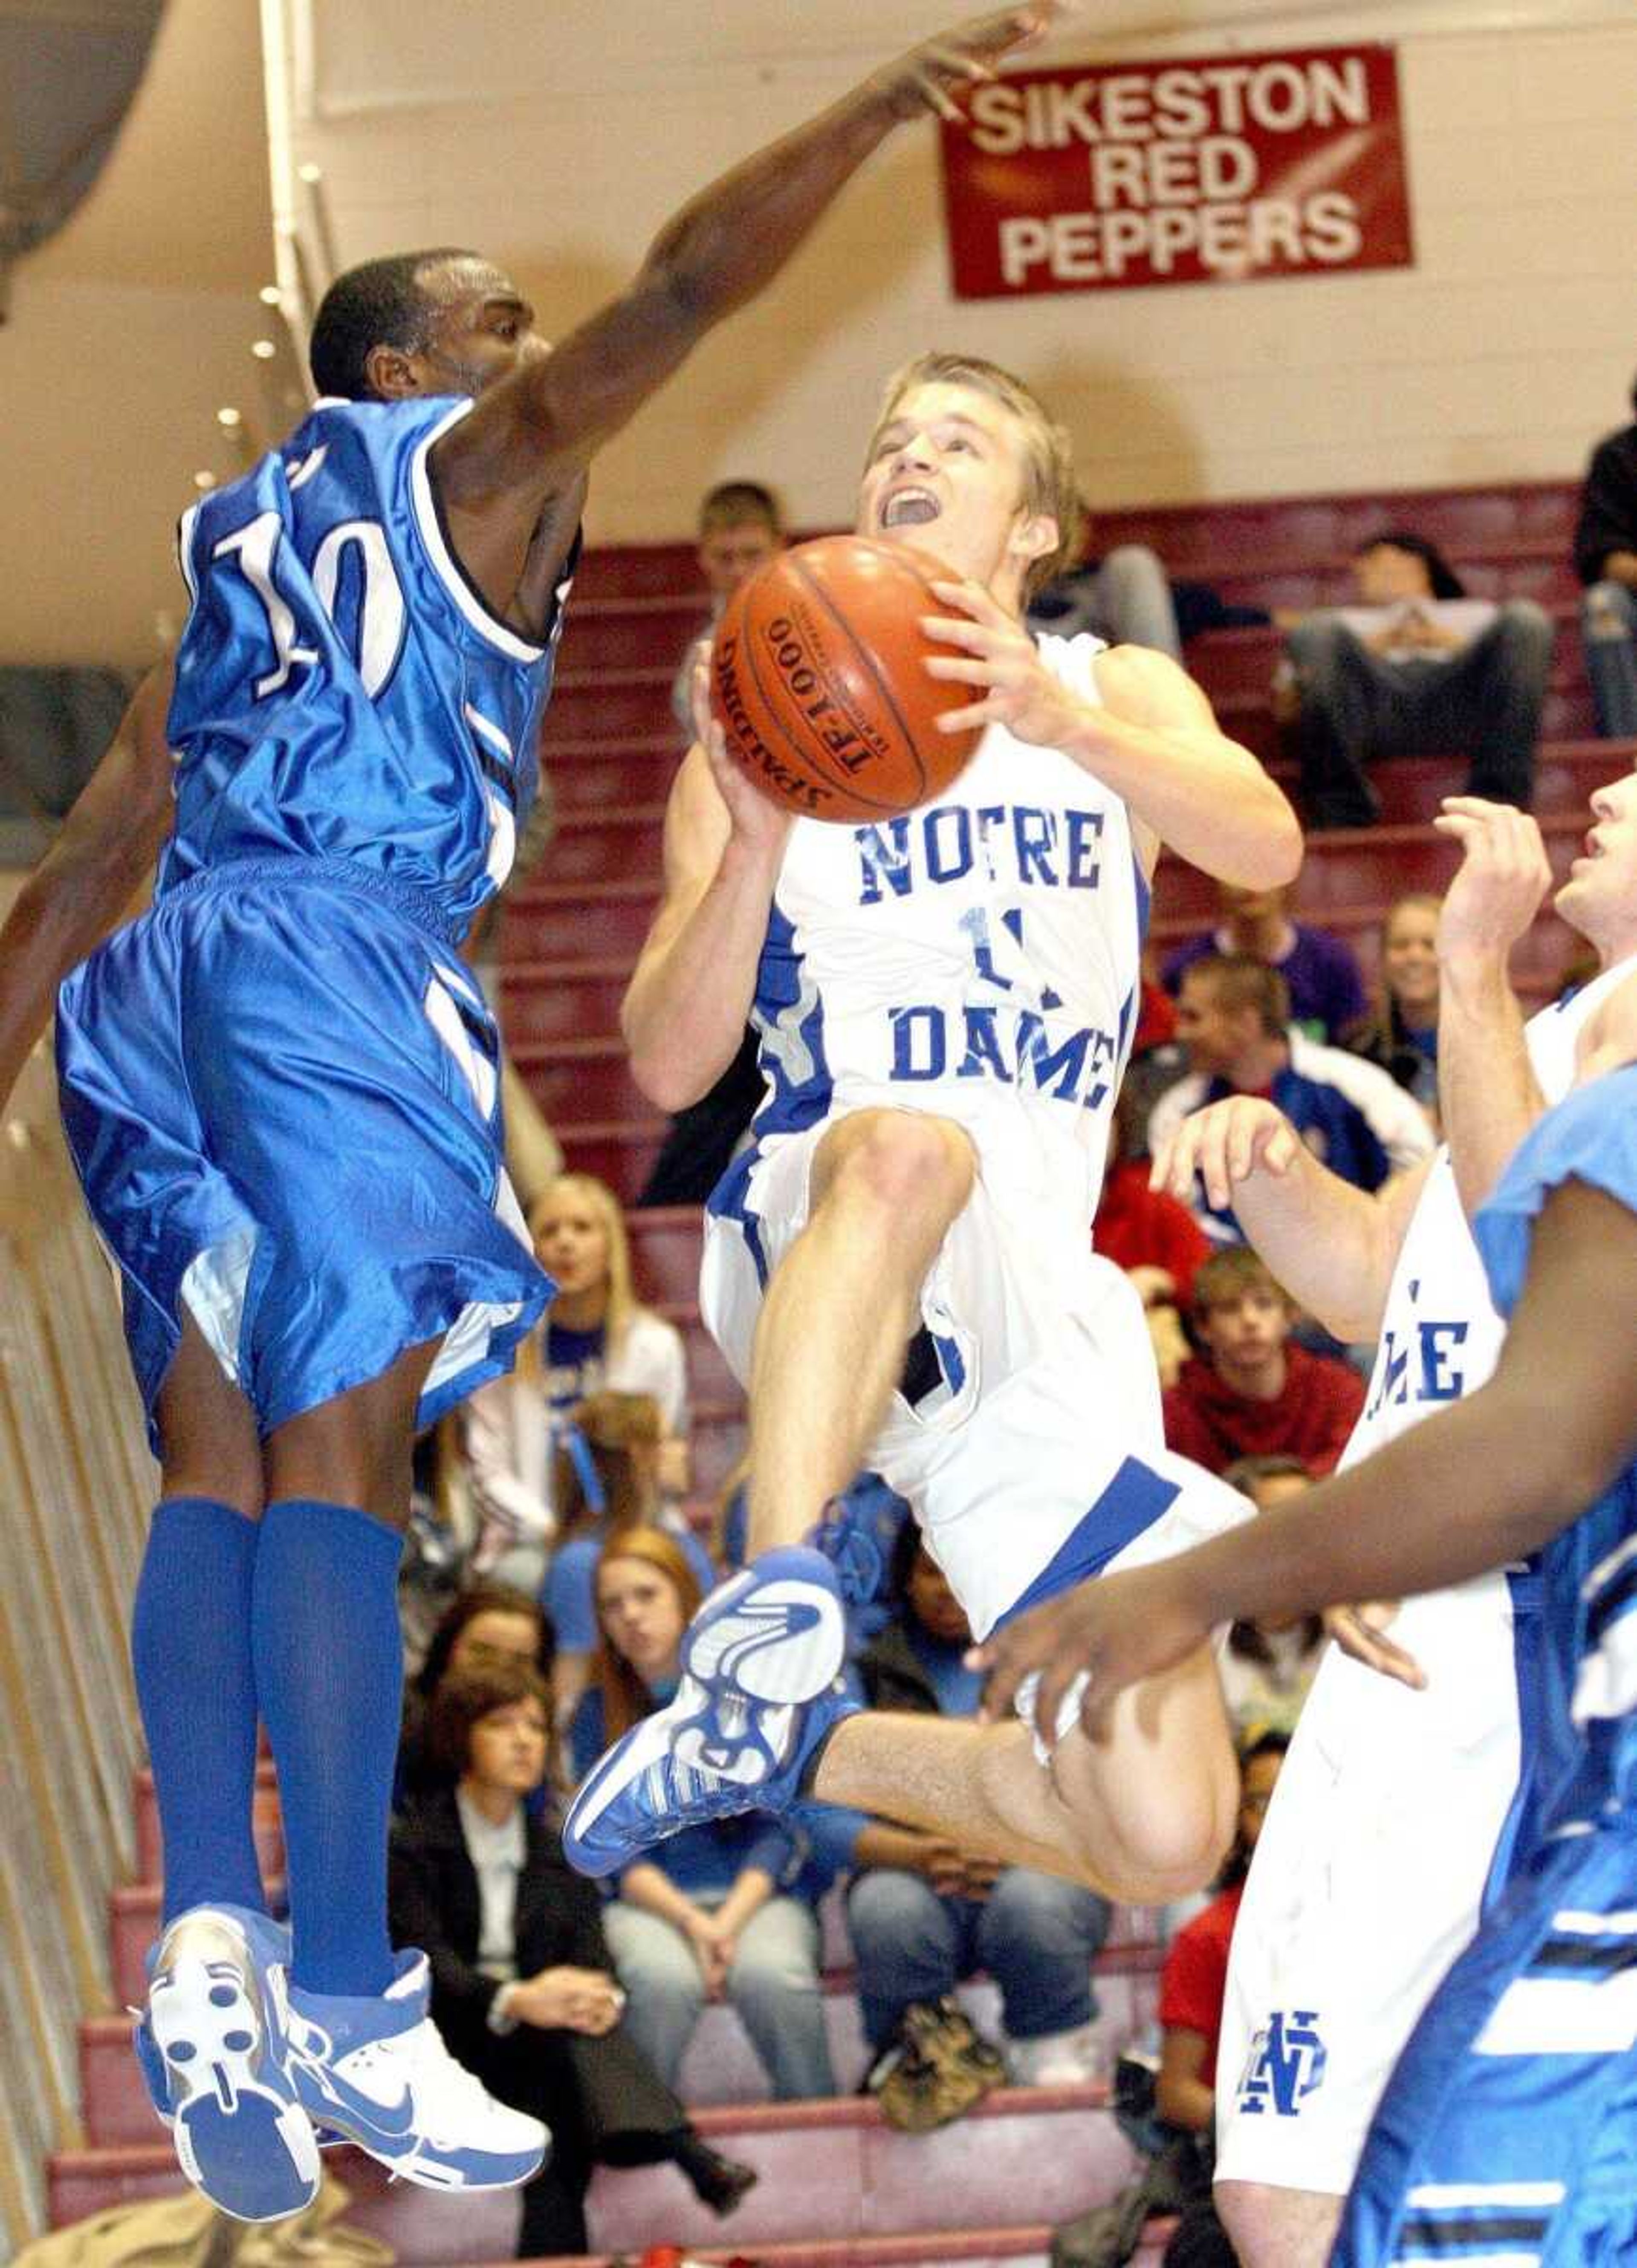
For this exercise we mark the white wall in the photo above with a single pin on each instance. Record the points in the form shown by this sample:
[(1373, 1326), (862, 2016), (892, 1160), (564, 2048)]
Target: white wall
[(1504, 352)]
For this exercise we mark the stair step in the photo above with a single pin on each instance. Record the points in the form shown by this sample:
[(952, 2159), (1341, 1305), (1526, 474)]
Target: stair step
[(619, 1152), (941, 2248), (831, 2171), (587, 774), (720, 2068), (266, 1825), (599, 846)]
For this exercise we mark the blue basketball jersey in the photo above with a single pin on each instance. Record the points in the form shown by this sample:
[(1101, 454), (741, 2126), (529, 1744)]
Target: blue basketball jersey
[(341, 690), (1588, 1730)]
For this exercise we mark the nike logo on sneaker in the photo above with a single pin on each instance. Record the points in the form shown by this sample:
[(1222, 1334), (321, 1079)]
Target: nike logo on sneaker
[(393, 2120)]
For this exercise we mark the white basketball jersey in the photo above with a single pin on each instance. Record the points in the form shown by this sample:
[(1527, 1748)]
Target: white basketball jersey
[(1440, 1336), (976, 957)]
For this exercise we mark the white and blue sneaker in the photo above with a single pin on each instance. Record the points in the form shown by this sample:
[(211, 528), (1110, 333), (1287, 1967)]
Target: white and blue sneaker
[(759, 1692), (210, 2046), (377, 2072)]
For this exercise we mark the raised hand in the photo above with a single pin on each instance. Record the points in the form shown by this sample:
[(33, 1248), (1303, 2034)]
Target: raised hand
[(1503, 876), (1224, 1144), (930, 75)]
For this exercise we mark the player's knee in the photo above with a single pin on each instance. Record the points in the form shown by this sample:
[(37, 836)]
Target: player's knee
[(1161, 1851), (903, 1165)]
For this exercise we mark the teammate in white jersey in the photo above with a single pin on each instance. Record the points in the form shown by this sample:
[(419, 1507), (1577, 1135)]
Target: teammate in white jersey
[(1392, 1811), (900, 1267)]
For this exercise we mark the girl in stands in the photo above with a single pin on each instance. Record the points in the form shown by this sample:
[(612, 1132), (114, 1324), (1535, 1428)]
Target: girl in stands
[(597, 1334), (715, 1912)]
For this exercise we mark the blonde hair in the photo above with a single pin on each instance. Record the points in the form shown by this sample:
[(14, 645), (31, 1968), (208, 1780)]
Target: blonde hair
[(625, 1698), (621, 1306), (1048, 462)]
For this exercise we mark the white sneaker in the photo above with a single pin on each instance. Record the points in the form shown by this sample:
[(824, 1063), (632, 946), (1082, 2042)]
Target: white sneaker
[(1068, 2058), (378, 2071)]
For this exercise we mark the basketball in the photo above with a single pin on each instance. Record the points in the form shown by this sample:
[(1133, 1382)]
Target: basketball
[(818, 680)]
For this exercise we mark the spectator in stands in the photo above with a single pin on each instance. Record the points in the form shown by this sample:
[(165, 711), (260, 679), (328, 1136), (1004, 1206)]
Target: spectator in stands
[(1192, 1989), (1232, 1015), (1415, 668), (741, 527), (596, 1333), (717, 1912), (1400, 1033), (1124, 598), (490, 1626), (1605, 559), (605, 1480), (1156, 1241), (1251, 1391), (1321, 972), (1268, 1667), (523, 1988), (923, 1913)]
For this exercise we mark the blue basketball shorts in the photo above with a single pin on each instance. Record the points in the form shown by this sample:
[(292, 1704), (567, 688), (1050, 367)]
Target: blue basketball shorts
[(281, 1094)]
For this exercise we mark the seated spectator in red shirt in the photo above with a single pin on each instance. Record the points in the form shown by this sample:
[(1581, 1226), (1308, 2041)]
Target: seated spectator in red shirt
[(1252, 1392), (1321, 972), (1192, 1989)]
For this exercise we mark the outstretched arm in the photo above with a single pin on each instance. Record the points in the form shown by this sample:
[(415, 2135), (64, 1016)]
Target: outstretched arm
[(1482, 1484), (84, 883), (1333, 1247), (532, 434)]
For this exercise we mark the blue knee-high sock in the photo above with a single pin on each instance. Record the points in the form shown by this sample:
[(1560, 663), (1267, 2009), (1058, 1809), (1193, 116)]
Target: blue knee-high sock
[(329, 1675), (191, 1654)]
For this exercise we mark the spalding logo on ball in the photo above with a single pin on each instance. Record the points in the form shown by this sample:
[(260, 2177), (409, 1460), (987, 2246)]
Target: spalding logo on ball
[(818, 678)]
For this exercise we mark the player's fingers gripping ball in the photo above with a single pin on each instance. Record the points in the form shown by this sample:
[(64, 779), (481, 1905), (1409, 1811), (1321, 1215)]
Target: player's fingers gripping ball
[(818, 678)]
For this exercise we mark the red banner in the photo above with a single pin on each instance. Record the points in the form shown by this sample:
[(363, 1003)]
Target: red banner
[(1216, 170)]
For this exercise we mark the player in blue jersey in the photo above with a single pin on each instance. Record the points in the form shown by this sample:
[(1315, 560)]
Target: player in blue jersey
[(279, 1085), (1504, 2134)]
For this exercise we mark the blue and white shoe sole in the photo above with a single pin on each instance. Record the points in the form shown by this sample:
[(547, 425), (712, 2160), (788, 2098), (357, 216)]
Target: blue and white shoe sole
[(241, 2138), (763, 1646)]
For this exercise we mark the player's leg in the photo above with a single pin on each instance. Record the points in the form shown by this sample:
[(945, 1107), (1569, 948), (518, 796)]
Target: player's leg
[(842, 1307), (190, 1633), (365, 2057), (208, 2047), (330, 1664), (1143, 1817)]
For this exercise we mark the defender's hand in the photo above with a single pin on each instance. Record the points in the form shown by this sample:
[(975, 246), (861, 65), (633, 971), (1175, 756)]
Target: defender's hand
[(998, 657), (1224, 1144), (1503, 876), (931, 75), (1114, 1631), (1361, 1632)]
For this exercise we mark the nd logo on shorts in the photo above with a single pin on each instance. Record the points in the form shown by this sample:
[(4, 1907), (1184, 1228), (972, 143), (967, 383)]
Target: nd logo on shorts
[(1285, 2064)]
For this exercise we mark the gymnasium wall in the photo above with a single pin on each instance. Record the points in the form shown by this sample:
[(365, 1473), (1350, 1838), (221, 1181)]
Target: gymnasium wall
[(558, 138)]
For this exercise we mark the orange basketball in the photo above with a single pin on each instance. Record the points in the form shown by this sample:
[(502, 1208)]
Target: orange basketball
[(817, 677)]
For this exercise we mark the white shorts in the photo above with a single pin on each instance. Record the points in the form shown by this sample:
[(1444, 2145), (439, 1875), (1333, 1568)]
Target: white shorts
[(1044, 1417), (1367, 1882)]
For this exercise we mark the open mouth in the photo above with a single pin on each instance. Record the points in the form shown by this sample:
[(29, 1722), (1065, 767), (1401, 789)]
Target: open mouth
[(909, 508)]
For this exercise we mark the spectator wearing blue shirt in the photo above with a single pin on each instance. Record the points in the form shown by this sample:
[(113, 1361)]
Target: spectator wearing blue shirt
[(713, 1913), (923, 1913), (1233, 1015)]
